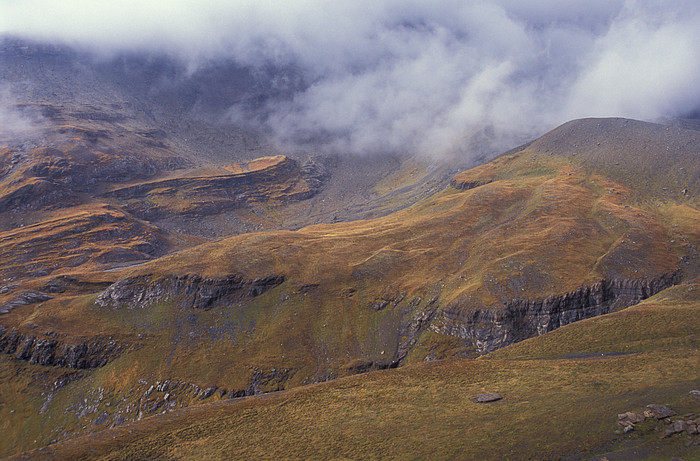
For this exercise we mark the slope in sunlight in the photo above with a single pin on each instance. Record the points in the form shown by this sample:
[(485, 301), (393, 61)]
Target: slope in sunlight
[(518, 247), (562, 392)]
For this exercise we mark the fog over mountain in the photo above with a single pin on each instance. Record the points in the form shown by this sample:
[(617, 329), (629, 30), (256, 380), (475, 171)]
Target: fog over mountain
[(406, 76)]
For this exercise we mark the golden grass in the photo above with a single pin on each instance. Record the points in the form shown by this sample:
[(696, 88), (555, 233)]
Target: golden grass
[(551, 408), (257, 164), (541, 226)]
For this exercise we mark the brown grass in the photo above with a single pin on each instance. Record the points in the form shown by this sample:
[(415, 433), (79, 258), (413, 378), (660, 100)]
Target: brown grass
[(542, 225), (551, 407)]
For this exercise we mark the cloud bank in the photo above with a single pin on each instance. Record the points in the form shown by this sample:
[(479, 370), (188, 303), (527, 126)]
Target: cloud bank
[(411, 75)]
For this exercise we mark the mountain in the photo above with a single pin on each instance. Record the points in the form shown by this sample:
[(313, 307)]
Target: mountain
[(116, 307), (154, 119)]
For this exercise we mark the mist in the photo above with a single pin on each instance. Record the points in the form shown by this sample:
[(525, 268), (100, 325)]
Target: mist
[(17, 122), (409, 76)]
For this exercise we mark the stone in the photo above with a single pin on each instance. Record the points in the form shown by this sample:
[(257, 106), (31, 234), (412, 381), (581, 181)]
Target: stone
[(630, 417), (658, 411), (191, 291), (676, 428), (208, 393), (629, 428), (679, 426), (486, 398), (695, 393)]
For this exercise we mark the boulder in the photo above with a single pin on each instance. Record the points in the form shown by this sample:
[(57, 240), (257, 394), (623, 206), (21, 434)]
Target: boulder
[(629, 418), (208, 393), (658, 411), (486, 398), (676, 428)]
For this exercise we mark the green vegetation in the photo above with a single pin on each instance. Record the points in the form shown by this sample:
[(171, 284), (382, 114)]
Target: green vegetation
[(551, 406), (367, 295)]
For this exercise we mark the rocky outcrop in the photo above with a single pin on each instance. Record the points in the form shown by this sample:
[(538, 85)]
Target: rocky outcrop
[(519, 319), (92, 353), (24, 298), (689, 423), (466, 185), (411, 331), (187, 291)]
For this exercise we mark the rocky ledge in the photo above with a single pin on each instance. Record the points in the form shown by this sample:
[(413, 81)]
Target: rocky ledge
[(188, 291), (284, 180), (48, 351), (492, 328), (467, 185)]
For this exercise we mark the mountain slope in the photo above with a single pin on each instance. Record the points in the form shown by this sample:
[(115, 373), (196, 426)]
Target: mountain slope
[(515, 248), (562, 392)]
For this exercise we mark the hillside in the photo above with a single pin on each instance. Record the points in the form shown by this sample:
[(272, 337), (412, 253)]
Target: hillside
[(516, 248), (155, 116), (561, 391)]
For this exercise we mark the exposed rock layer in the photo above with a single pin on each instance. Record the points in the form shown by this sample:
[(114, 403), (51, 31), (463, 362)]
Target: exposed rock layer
[(466, 185), (92, 353), (519, 319), (284, 181), (189, 291)]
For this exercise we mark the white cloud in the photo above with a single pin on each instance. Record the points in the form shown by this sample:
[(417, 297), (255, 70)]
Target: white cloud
[(412, 74), (17, 123)]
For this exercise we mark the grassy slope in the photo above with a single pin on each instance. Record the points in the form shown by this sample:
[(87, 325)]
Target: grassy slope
[(559, 224), (552, 220), (553, 406)]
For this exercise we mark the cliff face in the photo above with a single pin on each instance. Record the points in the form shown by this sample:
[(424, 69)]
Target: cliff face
[(519, 319), (92, 353), (189, 291), (467, 185)]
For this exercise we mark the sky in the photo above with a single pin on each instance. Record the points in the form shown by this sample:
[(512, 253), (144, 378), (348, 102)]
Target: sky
[(411, 75)]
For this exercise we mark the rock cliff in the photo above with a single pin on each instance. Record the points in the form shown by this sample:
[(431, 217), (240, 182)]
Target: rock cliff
[(492, 328), (188, 291), (47, 351)]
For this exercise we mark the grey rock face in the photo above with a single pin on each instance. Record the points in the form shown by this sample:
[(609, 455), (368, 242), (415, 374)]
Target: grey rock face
[(519, 319), (24, 298), (189, 291), (93, 353), (467, 185)]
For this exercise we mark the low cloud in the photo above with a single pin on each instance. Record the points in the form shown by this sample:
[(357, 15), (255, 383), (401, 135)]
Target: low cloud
[(414, 76), (18, 123)]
